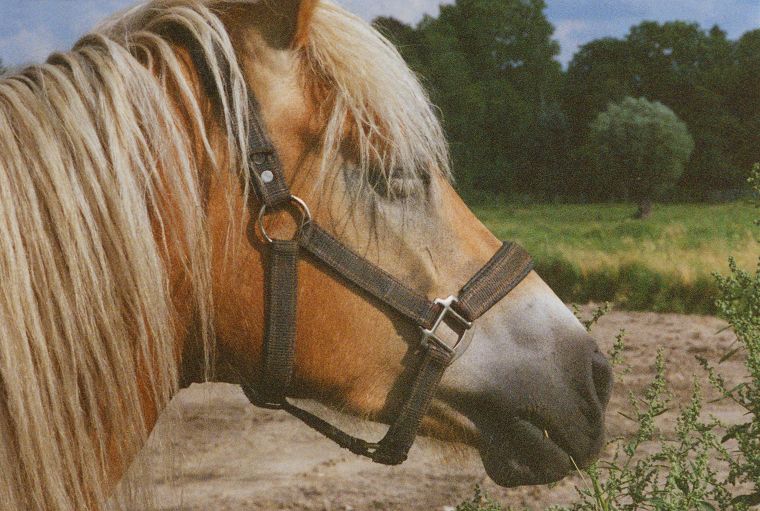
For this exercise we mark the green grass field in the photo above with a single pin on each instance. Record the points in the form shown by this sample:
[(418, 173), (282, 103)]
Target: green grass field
[(599, 253)]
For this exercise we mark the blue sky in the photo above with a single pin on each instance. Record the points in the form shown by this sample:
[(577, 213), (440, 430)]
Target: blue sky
[(31, 29)]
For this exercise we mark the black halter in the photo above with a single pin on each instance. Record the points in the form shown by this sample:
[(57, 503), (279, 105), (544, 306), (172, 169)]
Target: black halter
[(507, 268)]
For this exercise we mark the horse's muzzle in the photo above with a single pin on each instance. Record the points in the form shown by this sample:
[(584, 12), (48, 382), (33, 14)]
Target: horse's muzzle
[(539, 445)]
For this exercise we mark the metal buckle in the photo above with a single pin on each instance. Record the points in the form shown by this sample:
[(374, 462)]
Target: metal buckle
[(446, 314), (305, 217)]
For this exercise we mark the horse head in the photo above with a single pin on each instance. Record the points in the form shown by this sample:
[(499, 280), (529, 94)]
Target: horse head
[(359, 142)]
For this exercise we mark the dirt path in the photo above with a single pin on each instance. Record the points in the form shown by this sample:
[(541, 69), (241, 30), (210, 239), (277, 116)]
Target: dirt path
[(219, 453)]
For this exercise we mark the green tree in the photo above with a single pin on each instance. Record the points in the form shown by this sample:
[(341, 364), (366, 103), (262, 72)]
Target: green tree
[(461, 98), (490, 67), (690, 70), (510, 49), (709, 81), (640, 150), (745, 99), (599, 73), (747, 85), (517, 123)]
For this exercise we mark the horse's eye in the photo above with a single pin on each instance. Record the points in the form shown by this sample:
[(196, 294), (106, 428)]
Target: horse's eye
[(400, 184)]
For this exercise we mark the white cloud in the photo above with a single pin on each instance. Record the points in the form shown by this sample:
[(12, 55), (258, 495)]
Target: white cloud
[(570, 33)]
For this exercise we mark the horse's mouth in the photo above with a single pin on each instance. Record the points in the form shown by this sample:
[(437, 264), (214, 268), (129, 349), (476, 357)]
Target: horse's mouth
[(524, 452)]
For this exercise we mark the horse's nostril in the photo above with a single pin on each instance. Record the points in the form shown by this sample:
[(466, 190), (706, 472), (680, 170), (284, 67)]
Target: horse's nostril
[(601, 372)]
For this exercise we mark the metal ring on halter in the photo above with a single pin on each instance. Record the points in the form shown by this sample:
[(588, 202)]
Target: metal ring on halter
[(305, 217)]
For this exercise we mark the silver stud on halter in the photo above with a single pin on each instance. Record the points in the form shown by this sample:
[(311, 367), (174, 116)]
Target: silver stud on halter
[(267, 176)]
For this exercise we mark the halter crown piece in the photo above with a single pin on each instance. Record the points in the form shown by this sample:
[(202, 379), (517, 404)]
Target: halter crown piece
[(503, 272)]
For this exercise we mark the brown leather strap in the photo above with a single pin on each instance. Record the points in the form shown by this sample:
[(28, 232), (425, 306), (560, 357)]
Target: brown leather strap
[(367, 276), (507, 268), (266, 169), (393, 448), (280, 334), (395, 445)]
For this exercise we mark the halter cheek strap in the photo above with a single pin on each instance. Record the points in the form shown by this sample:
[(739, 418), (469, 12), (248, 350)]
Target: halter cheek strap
[(503, 272)]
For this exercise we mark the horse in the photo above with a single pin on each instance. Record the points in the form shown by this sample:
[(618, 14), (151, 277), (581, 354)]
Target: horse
[(132, 264)]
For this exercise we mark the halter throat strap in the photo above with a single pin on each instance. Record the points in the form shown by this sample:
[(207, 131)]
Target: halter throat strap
[(503, 272)]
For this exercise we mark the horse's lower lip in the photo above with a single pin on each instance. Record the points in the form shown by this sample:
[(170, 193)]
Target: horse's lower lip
[(523, 454)]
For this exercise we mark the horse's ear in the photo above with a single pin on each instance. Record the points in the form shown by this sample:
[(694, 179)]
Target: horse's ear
[(297, 15)]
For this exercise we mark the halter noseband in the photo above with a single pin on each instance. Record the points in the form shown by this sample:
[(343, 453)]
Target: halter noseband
[(503, 272)]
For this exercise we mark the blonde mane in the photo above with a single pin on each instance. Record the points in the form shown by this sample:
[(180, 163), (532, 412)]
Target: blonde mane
[(370, 86), (93, 153)]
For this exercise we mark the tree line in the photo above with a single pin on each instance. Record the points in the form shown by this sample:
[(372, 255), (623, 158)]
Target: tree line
[(520, 124)]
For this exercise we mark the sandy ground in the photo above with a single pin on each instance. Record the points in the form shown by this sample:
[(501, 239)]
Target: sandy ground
[(213, 451)]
